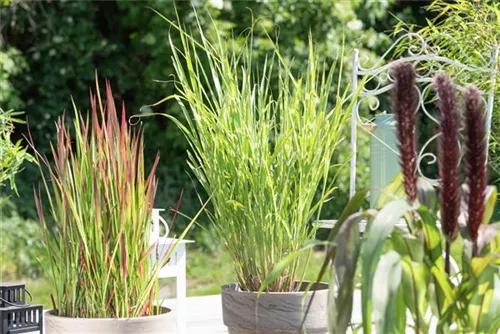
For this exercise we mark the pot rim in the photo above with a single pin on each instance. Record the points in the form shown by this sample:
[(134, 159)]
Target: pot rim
[(166, 311), (234, 288)]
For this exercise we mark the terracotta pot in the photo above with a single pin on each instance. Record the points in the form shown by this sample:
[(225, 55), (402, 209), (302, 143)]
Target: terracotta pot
[(274, 312), (161, 323)]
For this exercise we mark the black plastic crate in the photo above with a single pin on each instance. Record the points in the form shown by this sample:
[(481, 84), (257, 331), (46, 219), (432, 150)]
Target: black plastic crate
[(17, 315), (15, 319)]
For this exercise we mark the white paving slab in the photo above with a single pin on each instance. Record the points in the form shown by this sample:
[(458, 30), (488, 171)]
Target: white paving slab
[(203, 314)]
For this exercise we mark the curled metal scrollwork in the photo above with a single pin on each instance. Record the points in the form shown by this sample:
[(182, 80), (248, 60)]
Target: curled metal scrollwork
[(429, 61)]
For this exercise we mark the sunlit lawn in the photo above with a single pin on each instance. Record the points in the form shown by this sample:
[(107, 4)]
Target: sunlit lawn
[(206, 272)]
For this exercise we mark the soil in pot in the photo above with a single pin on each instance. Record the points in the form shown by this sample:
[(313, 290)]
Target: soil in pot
[(275, 312), (164, 323)]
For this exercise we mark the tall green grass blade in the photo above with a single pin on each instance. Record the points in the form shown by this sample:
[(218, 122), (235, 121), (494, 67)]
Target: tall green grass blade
[(489, 319), (345, 264), (482, 299), (490, 200), (387, 294), (376, 235), (415, 284), (443, 292)]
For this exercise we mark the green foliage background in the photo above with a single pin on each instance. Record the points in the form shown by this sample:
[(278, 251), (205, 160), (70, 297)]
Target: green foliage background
[(50, 51), (469, 31)]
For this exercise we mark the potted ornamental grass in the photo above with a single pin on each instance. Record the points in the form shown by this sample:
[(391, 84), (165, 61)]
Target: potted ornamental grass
[(440, 274), (95, 212), (264, 157)]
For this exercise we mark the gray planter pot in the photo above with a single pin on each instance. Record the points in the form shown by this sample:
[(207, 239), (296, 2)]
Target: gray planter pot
[(162, 323), (274, 312)]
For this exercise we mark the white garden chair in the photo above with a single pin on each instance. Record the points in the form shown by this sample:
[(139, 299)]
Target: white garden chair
[(176, 267)]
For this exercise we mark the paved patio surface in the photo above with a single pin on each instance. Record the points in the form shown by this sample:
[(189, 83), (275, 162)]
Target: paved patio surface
[(203, 314)]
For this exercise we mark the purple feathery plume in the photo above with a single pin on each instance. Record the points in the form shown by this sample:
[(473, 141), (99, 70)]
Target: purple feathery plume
[(448, 155), (475, 158), (404, 105)]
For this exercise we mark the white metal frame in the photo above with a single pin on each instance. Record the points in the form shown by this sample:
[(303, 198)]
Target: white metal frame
[(176, 267), (417, 52)]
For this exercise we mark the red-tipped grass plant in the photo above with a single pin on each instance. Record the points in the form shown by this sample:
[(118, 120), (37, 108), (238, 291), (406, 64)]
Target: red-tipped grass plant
[(97, 228)]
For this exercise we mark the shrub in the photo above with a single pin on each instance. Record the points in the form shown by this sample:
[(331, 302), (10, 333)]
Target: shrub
[(22, 253), (130, 48)]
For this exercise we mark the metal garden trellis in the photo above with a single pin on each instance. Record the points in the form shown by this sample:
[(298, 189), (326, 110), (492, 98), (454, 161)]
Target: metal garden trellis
[(420, 53)]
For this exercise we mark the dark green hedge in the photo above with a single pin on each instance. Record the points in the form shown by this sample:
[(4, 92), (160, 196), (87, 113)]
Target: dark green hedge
[(54, 48)]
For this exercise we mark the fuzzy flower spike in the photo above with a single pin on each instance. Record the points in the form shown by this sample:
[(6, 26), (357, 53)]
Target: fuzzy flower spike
[(475, 159), (448, 155), (404, 105)]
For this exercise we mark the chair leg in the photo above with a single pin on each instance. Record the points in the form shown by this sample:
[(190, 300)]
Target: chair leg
[(181, 300)]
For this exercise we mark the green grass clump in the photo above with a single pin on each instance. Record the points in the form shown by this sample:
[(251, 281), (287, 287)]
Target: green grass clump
[(260, 154)]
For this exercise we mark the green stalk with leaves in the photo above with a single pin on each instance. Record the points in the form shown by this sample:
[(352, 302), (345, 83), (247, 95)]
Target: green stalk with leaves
[(260, 154), (444, 269), (97, 231)]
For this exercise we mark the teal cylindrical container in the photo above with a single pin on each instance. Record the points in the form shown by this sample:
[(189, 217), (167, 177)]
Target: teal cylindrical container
[(384, 159)]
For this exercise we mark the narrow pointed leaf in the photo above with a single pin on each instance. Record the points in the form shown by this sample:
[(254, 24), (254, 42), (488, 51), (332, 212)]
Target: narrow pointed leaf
[(376, 235), (385, 297)]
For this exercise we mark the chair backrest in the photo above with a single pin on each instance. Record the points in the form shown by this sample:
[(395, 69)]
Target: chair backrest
[(377, 81), (159, 227)]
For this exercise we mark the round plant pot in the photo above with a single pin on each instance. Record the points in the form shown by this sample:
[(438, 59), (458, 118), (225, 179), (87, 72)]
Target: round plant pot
[(245, 312), (161, 323)]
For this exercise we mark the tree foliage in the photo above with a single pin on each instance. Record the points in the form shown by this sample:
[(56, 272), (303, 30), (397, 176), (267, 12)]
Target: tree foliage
[(469, 31), (57, 45), (12, 154)]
